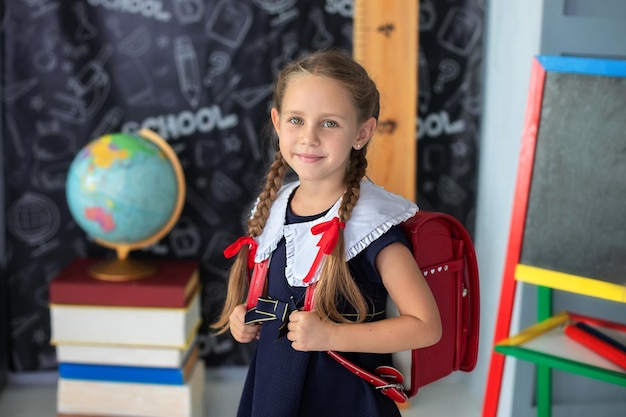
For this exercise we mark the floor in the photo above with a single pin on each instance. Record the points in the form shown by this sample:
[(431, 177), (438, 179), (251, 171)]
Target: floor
[(35, 396)]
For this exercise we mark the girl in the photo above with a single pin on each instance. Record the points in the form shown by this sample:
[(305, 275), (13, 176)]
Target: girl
[(332, 230)]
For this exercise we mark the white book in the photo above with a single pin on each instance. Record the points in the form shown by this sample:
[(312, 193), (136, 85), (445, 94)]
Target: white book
[(149, 357), (127, 326), (81, 397)]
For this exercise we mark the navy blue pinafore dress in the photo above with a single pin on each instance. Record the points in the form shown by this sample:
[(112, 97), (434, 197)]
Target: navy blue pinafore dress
[(283, 382)]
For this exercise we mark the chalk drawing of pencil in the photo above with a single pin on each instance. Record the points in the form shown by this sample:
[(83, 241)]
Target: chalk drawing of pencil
[(188, 71)]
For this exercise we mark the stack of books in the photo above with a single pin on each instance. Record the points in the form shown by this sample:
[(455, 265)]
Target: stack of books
[(128, 348)]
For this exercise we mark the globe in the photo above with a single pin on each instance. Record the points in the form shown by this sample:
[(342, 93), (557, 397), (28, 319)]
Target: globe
[(126, 191)]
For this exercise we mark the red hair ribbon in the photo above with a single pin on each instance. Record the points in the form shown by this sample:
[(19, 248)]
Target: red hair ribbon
[(234, 248), (330, 235)]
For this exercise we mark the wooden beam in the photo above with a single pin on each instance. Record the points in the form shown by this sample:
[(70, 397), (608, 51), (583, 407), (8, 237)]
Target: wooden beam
[(385, 42)]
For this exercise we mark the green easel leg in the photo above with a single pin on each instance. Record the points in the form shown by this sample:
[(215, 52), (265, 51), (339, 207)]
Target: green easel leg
[(544, 373)]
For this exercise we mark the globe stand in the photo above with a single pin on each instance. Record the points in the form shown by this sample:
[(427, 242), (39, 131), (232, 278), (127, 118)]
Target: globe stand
[(122, 268)]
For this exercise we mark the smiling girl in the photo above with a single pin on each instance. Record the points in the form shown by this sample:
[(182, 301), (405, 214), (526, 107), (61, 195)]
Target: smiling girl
[(332, 234)]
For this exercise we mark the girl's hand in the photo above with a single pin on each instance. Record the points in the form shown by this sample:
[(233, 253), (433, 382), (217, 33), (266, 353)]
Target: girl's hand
[(242, 332), (307, 331)]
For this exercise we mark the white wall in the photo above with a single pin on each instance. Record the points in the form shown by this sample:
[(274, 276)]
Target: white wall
[(512, 40)]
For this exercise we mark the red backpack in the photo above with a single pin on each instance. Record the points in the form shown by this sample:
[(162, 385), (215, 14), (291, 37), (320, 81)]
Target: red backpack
[(444, 251)]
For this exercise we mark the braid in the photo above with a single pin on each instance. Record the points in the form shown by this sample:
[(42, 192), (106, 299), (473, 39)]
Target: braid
[(341, 284), (358, 166), (239, 273), (268, 195)]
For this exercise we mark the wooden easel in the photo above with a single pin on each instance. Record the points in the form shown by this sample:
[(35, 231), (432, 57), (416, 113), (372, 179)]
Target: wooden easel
[(591, 277)]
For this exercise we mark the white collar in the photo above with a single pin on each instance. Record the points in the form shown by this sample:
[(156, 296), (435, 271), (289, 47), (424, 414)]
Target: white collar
[(377, 210)]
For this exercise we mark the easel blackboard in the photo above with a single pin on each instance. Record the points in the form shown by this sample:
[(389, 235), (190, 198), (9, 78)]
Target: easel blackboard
[(568, 227)]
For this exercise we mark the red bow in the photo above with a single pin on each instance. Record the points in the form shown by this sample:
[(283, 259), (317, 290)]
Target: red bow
[(328, 241), (235, 247)]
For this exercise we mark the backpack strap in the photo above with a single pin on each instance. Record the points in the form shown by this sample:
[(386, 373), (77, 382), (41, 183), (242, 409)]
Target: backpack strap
[(257, 283), (386, 379)]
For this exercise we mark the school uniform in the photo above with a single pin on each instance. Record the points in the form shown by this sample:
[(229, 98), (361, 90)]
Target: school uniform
[(283, 382)]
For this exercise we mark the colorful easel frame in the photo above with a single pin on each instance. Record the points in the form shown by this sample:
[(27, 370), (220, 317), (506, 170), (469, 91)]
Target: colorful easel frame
[(513, 270)]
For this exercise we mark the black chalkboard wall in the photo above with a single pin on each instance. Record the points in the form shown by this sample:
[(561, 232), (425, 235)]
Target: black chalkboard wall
[(4, 334), (576, 218), (200, 74)]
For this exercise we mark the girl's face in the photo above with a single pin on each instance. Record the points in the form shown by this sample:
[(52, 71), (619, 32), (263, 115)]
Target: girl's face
[(318, 128)]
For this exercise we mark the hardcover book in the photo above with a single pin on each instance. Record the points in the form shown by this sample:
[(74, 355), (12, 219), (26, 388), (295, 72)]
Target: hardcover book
[(172, 285), (125, 326), (139, 374), (147, 356), (104, 398)]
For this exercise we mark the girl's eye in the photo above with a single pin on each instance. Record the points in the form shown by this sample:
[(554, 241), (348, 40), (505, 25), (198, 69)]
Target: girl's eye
[(294, 120), (329, 123)]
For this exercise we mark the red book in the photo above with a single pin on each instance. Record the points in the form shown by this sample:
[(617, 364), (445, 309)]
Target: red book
[(172, 285)]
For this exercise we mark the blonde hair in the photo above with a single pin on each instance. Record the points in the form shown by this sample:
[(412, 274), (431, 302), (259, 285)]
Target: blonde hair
[(336, 282)]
